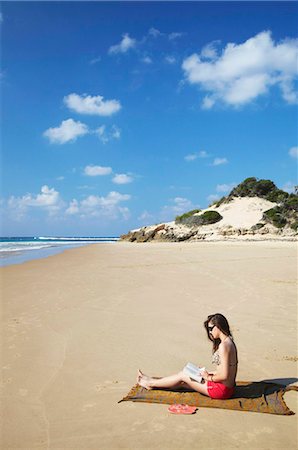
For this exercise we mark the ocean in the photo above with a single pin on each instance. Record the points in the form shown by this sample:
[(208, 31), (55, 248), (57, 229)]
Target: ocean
[(16, 250)]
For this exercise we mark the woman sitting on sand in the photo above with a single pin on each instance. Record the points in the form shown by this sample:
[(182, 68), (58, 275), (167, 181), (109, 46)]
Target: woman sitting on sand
[(219, 384)]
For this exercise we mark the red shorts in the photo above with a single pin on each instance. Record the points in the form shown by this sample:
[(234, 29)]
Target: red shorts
[(219, 390)]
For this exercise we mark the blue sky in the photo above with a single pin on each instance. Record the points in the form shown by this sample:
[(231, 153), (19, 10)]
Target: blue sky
[(118, 115)]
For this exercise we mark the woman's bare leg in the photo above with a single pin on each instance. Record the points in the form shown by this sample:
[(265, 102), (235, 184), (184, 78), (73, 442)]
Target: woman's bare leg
[(171, 382)]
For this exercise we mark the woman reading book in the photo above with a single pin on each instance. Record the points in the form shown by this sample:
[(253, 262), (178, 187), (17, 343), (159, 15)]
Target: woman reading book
[(219, 384)]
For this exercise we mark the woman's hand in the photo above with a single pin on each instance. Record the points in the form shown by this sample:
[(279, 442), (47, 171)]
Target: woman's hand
[(204, 374)]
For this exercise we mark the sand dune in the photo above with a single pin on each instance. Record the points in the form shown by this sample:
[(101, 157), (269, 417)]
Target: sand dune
[(239, 218)]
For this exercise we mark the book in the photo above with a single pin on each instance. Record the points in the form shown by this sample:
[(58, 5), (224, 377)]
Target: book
[(194, 372)]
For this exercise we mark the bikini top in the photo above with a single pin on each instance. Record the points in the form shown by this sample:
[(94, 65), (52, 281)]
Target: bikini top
[(216, 358)]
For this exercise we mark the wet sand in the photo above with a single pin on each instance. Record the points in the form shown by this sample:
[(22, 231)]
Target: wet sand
[(76, 327)]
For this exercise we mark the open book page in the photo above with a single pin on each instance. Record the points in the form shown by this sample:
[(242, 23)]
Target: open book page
[(193, 371)]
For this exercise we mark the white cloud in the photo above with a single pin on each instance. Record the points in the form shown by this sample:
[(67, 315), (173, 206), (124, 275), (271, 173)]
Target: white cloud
[(194, 156), (101, 133), (220, 188), (191, 157), (293, 152), (208, 102), (146, 60), (210, 50), (245, 71), (68, 131), (289, 187), (219, 161), (92, 105), (95, 60), (105, 136), (125, 212), (225, 187), (122, 178), (48, 199), (179, 205), (115, 132), (154, 32), (145, 216), (73, 207), (203, 154), (126, 44), (173, 36), (96, 206), (95, 171), (170, 59), (61, 178)]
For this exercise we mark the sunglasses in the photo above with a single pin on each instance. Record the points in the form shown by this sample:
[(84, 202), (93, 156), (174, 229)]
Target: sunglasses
[(211, 328)]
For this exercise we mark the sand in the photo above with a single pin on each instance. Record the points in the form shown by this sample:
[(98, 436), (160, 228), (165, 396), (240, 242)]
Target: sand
[(76, 327)]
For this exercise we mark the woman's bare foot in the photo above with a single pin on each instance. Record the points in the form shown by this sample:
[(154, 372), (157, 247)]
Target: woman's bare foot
[(141, 375), (144, 381)]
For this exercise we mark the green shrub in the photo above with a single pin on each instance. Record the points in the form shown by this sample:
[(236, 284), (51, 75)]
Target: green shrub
[(244, 189), (275, 216), (210, 217), (181, 219), (251, 187), (206, 218), (264, 187), (277, 196), (291, 202), (193, 221), (294, 226)]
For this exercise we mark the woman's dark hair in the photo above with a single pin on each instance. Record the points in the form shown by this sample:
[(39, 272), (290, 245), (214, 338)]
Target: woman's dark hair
[(221, 322)]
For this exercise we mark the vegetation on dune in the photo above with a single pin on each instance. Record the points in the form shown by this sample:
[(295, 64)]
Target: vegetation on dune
[(252, 187), (275, 216), (210, 217), (183, 217), (206, 218), (285, 213)]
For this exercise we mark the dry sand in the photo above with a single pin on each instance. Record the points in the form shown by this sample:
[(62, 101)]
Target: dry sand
[(78, 325)]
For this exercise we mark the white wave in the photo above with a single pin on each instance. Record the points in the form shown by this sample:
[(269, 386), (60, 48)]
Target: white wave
[(12, 247), (95, 239)]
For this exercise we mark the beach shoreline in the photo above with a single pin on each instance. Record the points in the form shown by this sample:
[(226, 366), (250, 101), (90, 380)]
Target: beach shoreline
[(76, 326)]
